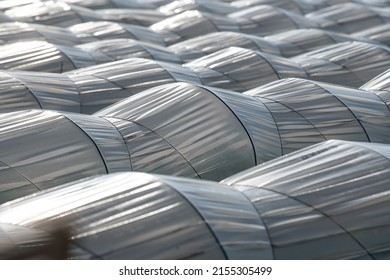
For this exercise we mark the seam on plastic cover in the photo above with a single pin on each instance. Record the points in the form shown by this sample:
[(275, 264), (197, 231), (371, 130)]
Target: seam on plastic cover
[(326, 215), (92, 140), (21, 174), (243, 126), (357, 119), (281, 103), (160, 137)]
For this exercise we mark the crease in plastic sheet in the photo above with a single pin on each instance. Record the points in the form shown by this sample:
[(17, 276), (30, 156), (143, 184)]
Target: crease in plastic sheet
[(46, 148), (380, 33), (258, 122), (52, 13), (150, 153), (107, 139), (127, 48), (349, 63), (349, 17), (246, 67), (298, 41), (203, 45), (264, 20), (347, 182), (141, 17), (195, 122), (335, 112), (229, 214), (148, 218), (51, 91)]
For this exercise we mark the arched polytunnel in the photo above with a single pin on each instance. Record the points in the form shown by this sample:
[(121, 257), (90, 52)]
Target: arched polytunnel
[(101, 30), (139, 17), (193, 132), (278, 210), (206, 44), (214, 7), (151, 217), (212, 140), (295, 6), (241, 69), (105, 84), (380, 33), (126, 48), (266, 19), (298, 41), (41, 149), (46, 57), (349, 17), (11, 32), (193, 23), (349, 63), (88, 89), (97, 4), (55, 13), (328, 201), (111, 4), (323, 111), (21, 90)]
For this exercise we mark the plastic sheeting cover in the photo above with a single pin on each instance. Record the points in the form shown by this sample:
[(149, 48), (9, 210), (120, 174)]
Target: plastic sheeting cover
[(299, 41), (190, 24), (379, 33), (335, 191), (264, 20), (149, 219), (215, 7), (349, 64), (105, 84), (52, 13), (30, 90), (126, 48), (203, 45), (58, 151), (18, 31), (380, 85), (349, 17), (307, 112), (193, 121), (241, 69), (101, 30), (141, 17)]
